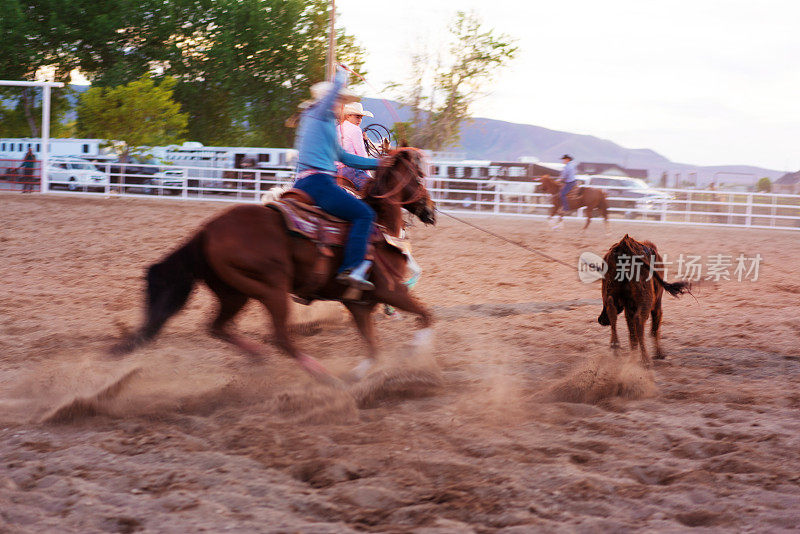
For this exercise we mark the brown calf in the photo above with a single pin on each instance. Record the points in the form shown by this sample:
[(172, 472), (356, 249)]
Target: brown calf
[(634, 283)]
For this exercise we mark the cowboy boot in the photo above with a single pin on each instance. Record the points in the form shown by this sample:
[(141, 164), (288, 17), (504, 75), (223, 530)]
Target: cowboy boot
[(357, 277)]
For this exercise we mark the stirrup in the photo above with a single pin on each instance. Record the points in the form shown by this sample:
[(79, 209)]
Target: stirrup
[(357, 277)]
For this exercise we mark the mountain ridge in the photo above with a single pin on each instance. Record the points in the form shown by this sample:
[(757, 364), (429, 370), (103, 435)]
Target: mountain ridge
[(496, 140), (492, 139)]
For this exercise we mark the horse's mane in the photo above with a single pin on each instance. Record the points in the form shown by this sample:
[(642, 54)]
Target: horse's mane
[(549, 182)]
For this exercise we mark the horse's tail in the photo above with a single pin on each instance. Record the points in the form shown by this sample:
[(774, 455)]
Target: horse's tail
[(169, 284)]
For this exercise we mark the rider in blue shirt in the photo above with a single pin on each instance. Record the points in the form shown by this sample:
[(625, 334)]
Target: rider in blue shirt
[(568, 177), (318, 150)]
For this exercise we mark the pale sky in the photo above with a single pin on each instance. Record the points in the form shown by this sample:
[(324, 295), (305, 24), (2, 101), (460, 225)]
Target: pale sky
[(706, 82)]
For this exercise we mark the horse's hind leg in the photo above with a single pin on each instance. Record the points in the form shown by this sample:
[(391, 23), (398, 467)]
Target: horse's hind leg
[(276, 301), (230, 303), (362, 315)]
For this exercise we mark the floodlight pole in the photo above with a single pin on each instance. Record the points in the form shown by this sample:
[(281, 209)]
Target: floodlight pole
[(44, 153), (331, 70)]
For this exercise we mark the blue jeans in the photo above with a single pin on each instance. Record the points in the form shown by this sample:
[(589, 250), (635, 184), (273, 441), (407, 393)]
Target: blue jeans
[(339, 203), (564, 191)]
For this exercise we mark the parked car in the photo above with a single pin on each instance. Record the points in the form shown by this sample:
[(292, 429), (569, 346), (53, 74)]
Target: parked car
[(167, 182), (76, 174), (137, 172), (630, 194)]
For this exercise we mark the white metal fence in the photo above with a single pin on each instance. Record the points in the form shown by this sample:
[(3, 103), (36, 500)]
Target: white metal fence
[(172, 181), (459, 195), (679, 206)]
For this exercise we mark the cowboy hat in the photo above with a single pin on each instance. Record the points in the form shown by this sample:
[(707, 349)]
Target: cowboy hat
[(356, 109), (320, 89)]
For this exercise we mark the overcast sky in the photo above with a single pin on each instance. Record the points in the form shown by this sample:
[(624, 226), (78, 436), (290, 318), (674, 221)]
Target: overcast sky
[(700, 81)]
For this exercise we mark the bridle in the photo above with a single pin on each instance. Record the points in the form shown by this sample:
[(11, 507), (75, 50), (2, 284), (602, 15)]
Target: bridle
[(413, 173)]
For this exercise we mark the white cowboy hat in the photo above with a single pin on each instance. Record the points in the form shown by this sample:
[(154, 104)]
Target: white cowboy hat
[(356, 109), (320, 89)]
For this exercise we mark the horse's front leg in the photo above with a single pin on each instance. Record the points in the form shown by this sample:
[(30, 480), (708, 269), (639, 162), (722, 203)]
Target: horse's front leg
[(589, 211), (362, 315), (276, 301), (401, 299)]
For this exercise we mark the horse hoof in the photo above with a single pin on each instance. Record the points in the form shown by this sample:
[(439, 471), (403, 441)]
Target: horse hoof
[(359, 371), (423, 337)]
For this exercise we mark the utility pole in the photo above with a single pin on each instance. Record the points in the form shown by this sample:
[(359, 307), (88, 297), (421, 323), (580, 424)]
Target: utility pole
[(331, 70)]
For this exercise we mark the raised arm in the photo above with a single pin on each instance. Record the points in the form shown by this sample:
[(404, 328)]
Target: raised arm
[(357, 162), (323, 107)]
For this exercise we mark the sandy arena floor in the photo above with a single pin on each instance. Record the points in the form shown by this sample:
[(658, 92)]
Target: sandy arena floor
[(193, 436)]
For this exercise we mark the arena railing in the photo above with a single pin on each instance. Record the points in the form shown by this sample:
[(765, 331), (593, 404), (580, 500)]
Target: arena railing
[(13, 177), (457, 195), (179, 182), (683, 207)]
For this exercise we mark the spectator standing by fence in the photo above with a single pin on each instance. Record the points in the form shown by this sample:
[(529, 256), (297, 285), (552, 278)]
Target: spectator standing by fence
[(28, 165)]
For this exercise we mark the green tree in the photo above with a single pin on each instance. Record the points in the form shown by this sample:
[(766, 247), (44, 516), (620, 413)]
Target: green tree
[(442, 93), (259, 59), (22, 117), (137, 114), (27, 34), (764, 185), (241, 66)]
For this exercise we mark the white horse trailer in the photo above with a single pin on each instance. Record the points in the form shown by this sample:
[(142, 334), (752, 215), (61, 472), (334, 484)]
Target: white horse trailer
[(214, 164), (17, 147)]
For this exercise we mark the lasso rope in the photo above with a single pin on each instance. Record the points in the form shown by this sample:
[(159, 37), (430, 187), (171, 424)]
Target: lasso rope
[(509, 241)]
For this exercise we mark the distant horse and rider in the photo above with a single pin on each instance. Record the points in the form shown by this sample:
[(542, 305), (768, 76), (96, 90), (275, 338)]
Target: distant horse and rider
[(581, 196)]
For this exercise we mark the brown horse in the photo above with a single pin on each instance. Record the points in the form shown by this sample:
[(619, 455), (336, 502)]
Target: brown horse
[(247, 253), (589, 197), (634, 282)]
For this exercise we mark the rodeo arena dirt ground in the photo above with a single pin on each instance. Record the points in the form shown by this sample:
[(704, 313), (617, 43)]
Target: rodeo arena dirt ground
[(518, 417)]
